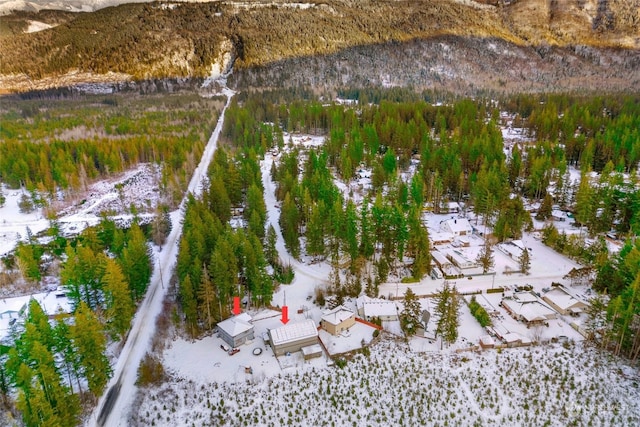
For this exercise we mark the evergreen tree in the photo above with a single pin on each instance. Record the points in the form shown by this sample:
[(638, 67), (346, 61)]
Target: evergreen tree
[(485, 257), (119, 305), (256, 210), (28, 257), (315, 234), (524, 261), (271, 253), (189, 304), (448, 312), (161, 225), (82, 274), (546, 207), (207, 298), (289, 221), (90, 344), (136, 262), (410, 317)]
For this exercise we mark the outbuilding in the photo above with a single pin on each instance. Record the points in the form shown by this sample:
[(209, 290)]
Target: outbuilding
[(236, 330), (293, 336)]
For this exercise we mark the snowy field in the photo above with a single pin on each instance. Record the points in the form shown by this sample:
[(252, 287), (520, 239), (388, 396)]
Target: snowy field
[(115, 196), (549, 385)]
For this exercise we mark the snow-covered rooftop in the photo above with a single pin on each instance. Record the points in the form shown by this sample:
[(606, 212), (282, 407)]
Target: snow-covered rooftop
[(562, 298), (457, 225), (530, 311), (236, 325), (374, 307), (293, 332), (337, 315), (11, 308)]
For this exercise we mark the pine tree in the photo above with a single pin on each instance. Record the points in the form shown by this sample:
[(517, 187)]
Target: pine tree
[(189, 304), (524, 261), (411, 314), (271, 253), (448, 312), (546, 208), (486, 259), (119, 305), (315, 234), (289, 221), (82, 275), (28, 257), (207, 298), (90, 344), (136, 262)]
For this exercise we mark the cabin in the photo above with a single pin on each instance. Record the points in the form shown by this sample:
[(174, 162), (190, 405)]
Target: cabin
[(456, 226), (562, 301), (236, 330), (337, 320)]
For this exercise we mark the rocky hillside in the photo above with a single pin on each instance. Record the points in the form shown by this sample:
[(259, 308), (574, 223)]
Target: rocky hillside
[(524, 44)]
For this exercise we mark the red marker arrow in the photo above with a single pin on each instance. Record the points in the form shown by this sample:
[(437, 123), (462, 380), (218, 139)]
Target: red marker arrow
[(285, 314), (236, 305)]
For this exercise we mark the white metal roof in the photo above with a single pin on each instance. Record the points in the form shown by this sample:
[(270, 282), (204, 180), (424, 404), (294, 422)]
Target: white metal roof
[(293, 332), (236, 325)]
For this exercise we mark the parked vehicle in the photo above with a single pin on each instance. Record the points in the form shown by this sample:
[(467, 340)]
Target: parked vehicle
[(233, 351), (225, 347)]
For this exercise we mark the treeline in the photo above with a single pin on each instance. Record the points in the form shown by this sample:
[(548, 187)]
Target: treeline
[(53, 368), (592, 131), (66, 145), (217, 262), (615, 324)]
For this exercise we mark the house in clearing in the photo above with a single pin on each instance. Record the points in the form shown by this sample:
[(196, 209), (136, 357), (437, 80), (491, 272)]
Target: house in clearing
[(459, 259), (293, 337), (371, 308), (456, 226), (561, 300), (236, 330), (337, 320), (526, 307)]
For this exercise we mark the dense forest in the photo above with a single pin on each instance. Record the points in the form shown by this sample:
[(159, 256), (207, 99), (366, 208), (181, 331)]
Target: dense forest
[(57, 368), (216, 261), (458, 153), (65, 145)]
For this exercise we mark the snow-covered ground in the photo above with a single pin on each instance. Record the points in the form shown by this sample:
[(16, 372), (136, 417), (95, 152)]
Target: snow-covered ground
[(550, 385), (136, 187)]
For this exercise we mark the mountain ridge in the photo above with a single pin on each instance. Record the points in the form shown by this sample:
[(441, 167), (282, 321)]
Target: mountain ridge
[(168, 39)]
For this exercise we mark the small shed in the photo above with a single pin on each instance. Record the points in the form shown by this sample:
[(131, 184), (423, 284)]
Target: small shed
[(236, 330), (311, 351), (487, 341), (293, 336), (337, 320)]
